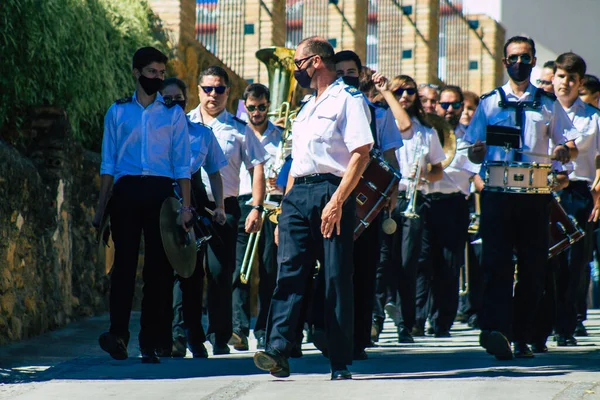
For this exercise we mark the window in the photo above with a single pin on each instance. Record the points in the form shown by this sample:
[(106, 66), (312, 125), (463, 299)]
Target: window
[(473, 23), (333, 42), (248, 29), (407, 10), (407, 54), (473, 65)]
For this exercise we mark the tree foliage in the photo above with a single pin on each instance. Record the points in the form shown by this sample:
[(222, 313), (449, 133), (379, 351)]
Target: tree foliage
[(74, 54)]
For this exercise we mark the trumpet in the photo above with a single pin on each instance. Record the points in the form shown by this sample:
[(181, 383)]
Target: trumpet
[(411, 191)]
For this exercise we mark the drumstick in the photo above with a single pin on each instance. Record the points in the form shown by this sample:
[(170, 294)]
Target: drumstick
[(467, 147), (209, 211)]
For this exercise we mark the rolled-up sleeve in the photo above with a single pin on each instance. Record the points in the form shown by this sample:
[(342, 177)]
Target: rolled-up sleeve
[(355, 126), (109, 143), (477, 127), (180, 150)]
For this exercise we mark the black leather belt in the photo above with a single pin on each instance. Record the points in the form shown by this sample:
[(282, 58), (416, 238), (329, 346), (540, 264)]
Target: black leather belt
[(442, 196), (317, 178)]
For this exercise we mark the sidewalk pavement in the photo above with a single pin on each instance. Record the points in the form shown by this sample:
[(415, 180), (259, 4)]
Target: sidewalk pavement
[(68, 364)]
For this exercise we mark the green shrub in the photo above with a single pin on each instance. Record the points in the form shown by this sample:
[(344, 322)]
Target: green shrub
[(74, 54)]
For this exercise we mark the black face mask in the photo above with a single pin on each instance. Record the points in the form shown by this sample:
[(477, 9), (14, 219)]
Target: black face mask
[(519, 72), (351, 80), (150, 85), (303, 78)]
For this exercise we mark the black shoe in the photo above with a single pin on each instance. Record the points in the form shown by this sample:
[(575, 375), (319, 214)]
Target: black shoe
[(371, 344), (404, 335), (220, 348), (113, 345), (473, 321), (580, 329), (564, 340), (199, 351), (442, 334), (430, 331), (260, 343), (417, 331), (149, 356), (276, 364), (179, 347), (296, 351), (239, 341), (495, 343), (522, 350), (461, 317), (360, 355), (376, 329), (539, 347), (164, 353), (340, 374)]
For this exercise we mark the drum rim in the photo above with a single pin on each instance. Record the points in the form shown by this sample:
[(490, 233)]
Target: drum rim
[(517, 164), (519, 190)]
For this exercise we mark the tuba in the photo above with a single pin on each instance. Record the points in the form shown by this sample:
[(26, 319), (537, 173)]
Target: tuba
[(280, 67), (446, 135)]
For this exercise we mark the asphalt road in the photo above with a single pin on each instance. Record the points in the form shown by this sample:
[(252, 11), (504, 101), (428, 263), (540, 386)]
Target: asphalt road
[(68, 364)]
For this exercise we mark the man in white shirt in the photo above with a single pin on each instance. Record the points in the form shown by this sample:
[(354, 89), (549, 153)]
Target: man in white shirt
[(446, 223), (257, 100), (144, 149), (240, 145), (330, 150), (512, 221)]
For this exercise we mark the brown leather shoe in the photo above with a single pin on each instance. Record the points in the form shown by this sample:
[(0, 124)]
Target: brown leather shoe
[(276, 364)]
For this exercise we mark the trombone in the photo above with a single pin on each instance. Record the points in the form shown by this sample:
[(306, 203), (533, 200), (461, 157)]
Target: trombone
[(251, 249)]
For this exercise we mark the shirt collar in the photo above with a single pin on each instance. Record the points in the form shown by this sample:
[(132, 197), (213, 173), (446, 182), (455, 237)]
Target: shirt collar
[(526, 95), (578, 104), (158, 98)]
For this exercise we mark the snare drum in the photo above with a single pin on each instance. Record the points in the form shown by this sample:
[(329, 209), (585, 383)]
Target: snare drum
[(564, 230), (518, 177)]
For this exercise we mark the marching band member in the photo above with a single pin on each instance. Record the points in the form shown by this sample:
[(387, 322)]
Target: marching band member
[(145, 147), (446, 224), (400, 251), (510, 220), (257, 101), (240, 145), (188, 292), (330, 150)]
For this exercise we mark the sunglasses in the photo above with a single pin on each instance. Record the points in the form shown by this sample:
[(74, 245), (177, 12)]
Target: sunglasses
[(455, 104), (429, 85), (299, 62), (409, 91), (260, 107), (217, 89), (543, 82), (525, 58)]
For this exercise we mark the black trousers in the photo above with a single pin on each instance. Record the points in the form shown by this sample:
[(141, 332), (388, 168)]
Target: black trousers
[(572, 265), (267, 271), (399, 259), (135, 208), (300, 243), (442, 256), (219, 273), (513, 222)]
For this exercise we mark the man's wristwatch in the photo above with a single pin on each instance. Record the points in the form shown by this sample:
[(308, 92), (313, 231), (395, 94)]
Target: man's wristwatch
[(259, 208)]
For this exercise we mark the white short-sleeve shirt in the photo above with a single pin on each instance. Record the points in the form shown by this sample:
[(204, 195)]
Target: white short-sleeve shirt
[(238, 143), (205, 149), (328, 129), (270, 140), (586, 120), (388, 134), (406, 155)]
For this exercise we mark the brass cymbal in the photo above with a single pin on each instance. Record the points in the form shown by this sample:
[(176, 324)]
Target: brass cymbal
[(179, 246)]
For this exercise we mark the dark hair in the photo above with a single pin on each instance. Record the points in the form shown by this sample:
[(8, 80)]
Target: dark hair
[(316, 45), (214, 70), (257, 90), (591, 83), (550, 64), (146, 56), (417, 108), (520, 39), (365, 82), (471, 96), (454, 89), (348, 55), (177, 82), (572, 63)]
